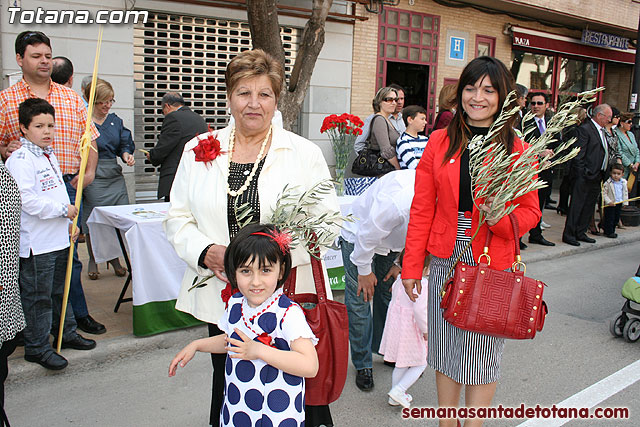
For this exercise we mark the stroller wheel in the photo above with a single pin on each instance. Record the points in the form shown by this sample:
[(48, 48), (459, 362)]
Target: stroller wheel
[(616, 325), (631, 330)]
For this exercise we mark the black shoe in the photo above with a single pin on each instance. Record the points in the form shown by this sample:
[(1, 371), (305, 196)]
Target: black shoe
[(523, 245), (78, 342), (570, 241), (585, 238), (549, 206), (364, 379), (541, 241), (90, 326), (52, 360), (551, 201), (562, 211), (611, 236), (392, 364)]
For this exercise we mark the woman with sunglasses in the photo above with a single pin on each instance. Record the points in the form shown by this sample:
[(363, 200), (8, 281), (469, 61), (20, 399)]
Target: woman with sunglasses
[(612, 139), (627, 146), (108, 187)]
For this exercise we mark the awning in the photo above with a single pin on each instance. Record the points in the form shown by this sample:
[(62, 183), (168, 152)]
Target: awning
[(534, 39)]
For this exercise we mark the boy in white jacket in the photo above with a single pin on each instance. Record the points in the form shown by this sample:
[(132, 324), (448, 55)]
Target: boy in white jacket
[(44, 236), (614, 191)]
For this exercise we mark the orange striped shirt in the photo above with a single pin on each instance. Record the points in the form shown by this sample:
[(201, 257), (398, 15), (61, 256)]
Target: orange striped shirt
[(71, 119)]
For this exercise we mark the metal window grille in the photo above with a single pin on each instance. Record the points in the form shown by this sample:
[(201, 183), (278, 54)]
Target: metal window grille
[(189, 55)]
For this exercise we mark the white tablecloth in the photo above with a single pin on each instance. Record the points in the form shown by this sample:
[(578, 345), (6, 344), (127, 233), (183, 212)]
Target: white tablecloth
[(156, 268)]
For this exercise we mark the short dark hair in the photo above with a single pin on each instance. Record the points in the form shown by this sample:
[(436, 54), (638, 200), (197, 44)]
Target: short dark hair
[(614, 112), (542, 94), (618, 167), (32, 38), (412, 111), (172, 98), (32, 107), (397, 87), (62, 70), (247, 246)]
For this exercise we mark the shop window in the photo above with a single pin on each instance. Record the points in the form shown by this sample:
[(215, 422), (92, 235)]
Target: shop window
[(533, 70), (485, 46), (575, 76)]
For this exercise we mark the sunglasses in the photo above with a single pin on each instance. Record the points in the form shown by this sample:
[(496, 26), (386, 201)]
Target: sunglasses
[(538, 102), (390, 99)]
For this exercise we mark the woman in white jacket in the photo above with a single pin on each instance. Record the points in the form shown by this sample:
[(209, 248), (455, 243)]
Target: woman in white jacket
[(250, 162)]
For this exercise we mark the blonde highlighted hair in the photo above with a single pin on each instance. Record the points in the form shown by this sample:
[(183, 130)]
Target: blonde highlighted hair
[(104, 91)]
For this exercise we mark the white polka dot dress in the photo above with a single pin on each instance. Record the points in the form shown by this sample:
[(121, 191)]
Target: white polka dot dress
[(257, 394)]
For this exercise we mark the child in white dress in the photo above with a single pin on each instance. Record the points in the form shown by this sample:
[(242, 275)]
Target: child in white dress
[(270, 347), (404, 340)]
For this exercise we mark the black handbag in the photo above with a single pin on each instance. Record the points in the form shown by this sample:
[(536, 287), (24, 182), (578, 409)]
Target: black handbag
[(369, 162)]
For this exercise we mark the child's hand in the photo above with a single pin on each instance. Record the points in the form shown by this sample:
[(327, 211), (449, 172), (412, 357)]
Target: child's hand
[(183, 357), (247, 349), (72, 211)]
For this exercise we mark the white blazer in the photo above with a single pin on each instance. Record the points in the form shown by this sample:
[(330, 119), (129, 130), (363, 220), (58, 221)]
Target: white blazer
[(197, 215)]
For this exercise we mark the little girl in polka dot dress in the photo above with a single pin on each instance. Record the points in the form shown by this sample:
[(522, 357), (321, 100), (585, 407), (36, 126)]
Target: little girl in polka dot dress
[(404, 339), (270, 347)]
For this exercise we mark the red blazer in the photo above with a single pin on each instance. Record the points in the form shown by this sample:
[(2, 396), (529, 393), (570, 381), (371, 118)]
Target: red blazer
[(433, 220)]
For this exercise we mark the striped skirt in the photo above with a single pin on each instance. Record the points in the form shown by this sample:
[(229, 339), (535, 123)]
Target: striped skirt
[(466, 357)]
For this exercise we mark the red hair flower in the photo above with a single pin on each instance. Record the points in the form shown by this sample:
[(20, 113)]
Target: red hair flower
[(208, 148)]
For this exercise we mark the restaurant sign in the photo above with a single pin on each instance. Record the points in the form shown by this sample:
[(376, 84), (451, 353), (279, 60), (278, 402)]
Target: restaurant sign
[(595, 38)]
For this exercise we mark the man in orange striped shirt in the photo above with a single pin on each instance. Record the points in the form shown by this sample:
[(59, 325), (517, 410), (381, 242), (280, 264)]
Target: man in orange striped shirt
[(33, 55)]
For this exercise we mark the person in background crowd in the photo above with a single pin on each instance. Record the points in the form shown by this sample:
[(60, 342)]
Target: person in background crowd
[(44, 237), (11, 316), (62, 71), (180, 125), (542, 115), (395, 118), (33, 55), (86, 81), (588, 168), (521, 92), (370, 247), (255, 162), (443, 216), (411, 144), (566, 185), (108, 188), (627, 146), (446, 106)]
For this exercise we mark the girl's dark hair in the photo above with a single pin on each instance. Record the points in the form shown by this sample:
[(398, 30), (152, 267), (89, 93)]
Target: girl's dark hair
[(247, 247), (502, 81)]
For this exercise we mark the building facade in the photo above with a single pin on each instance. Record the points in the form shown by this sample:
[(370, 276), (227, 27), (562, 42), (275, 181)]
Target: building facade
[(559, 48)]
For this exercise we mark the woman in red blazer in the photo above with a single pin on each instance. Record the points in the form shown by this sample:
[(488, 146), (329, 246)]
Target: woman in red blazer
[(443, 218)]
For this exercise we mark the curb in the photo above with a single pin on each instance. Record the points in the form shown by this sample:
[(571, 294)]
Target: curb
[(123, 347), (107, 351)]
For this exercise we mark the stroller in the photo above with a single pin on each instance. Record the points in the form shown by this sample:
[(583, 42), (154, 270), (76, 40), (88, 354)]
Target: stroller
[(623, 325)]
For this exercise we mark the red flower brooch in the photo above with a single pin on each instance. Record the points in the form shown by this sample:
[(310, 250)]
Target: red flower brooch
[(208, 148), (265, 339), (226, 295)]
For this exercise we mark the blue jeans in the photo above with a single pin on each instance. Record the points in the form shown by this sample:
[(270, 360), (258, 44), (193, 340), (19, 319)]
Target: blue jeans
[(41, 288), (365, 327), (76, 293)]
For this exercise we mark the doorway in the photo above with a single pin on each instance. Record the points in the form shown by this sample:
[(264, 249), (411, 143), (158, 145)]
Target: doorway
[(414, 78)]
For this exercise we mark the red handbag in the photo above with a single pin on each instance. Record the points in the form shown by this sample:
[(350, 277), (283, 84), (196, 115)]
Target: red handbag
[(329, 322), (503, 304)]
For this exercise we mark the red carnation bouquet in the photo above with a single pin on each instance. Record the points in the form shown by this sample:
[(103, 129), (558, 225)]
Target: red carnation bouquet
[(342, 130), (208, 148)]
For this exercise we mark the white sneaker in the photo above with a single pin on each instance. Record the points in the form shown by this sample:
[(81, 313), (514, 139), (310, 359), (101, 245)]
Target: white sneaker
[(544, 225), (394, 403), (399, 397)]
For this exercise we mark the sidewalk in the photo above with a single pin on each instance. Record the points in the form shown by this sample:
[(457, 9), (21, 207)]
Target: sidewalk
[(119, 341)]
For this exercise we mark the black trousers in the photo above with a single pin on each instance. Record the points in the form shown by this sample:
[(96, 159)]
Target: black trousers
[(565, 191), (6, 349), (611, 218), (583, 202), (217, 388), (543, 195)]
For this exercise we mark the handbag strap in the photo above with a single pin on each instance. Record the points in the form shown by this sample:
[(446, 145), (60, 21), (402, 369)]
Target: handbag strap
[(289, 287)]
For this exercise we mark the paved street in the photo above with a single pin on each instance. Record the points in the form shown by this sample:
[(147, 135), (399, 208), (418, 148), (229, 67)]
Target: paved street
[(574, 351)]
